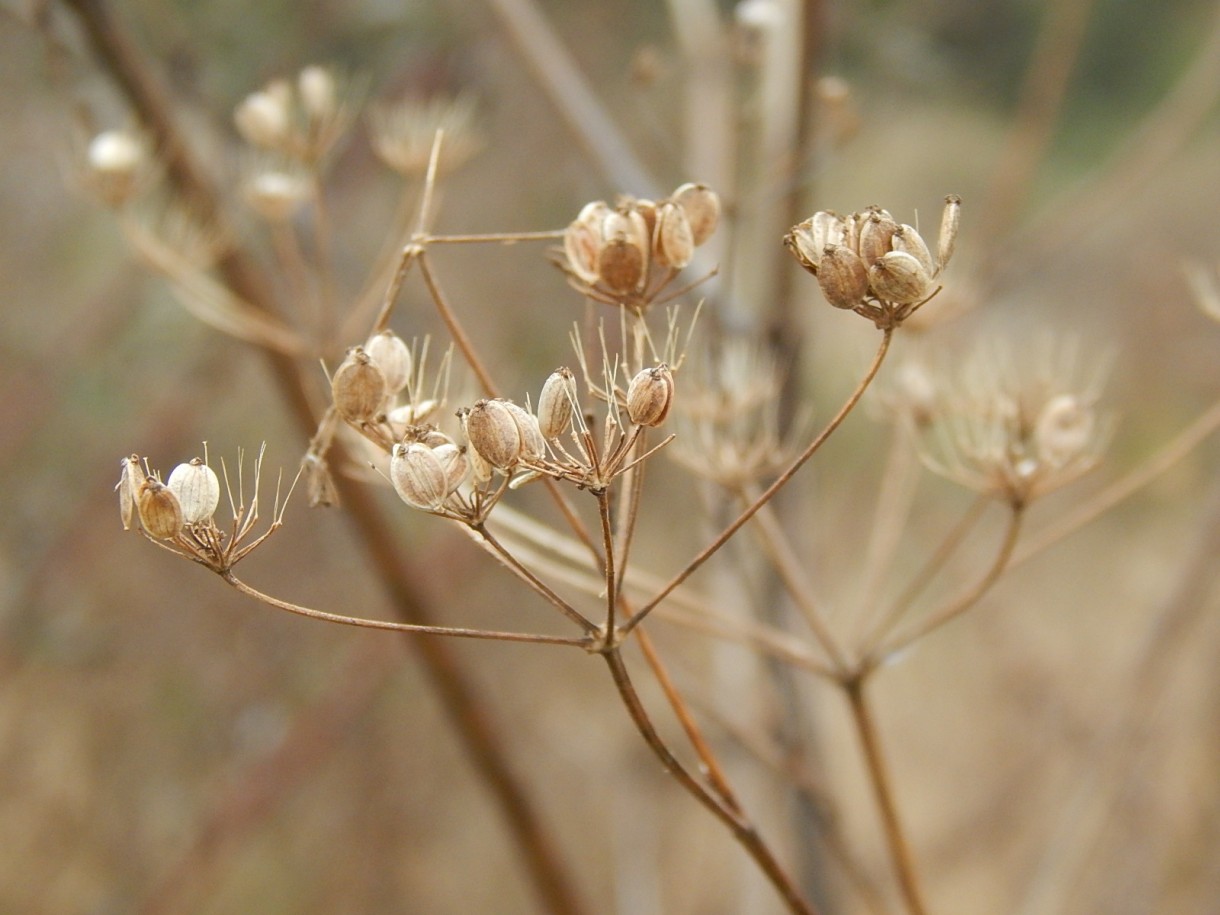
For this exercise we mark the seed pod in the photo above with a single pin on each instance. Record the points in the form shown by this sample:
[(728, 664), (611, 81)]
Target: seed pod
[(843, 277), (898, 277), (533, 447), (876, 232), (622, 260), (702, 206), (583, 239), (160, 513), (418, 476), (555, 403), (649, 395), (263, 117), (907, 240), (316, 87), (116, 160), (673, 244), (198, 490), (949, 219), (1063, 430), (131, 478), (648, 209), (455, 464), (494, 433), (392, 355), (358, 388), (276, 195)]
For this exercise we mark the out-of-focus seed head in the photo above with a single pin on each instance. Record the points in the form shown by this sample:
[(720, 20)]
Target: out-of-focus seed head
[(116, 163), (650, 395), (949, 220), (555, 403), (391, 354), (898, 277), (276, 194), (876, 232), (843, 277), (358, 387), (318, 93), (1064, 430), (908, 241), (131, 478), (622, 260), (673, 243), (265, 118), (198, 490), (702, 206), (419, 476), (403, 133), (160, 513), (494, 433)]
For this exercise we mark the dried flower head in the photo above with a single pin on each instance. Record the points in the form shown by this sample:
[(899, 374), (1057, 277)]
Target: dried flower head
[(868, 263), (1017, 429)]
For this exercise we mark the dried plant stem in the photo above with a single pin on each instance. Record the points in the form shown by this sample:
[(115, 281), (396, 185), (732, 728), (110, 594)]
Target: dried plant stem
[(502, 238), (924, 576), (743, 831), (362, 623), (955, 609), (454, 326), (119, 57), (778, 550), (721, 539), (879, 778)]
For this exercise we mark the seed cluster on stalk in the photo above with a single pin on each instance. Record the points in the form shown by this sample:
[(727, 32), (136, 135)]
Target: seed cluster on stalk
[(868, 263)]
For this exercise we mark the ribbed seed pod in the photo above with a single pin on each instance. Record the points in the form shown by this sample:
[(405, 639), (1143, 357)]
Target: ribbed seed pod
[(673, 244), (898, 277), (908, 241), (533, 447), (949, 219), (197, 488), (391, 354), (555, 403), (358, 387), (131, 478), (622, 261), (418, 476), (583, 239), (650, 395), (702, 206), (455, 464), (843, 277), (876, 233), (494, 433), (160, 513), (801, 241)]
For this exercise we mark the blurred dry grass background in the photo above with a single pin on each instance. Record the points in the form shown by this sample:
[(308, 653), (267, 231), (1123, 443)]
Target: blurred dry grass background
[(166, 745)]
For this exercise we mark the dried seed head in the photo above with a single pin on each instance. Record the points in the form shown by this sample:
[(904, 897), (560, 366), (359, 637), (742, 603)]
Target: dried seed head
[(555, 403), (908, 241), (842, 276), (403, 133), (319, 98), (1064, 430), (673, 242), (131, 478), (418, 475), (391, 354), (622, 260), (650, 395), (898, 277), (198, 490), (494, 433), (358, 387), (160, 513), (949, 219), (702, 206), (876, 233)]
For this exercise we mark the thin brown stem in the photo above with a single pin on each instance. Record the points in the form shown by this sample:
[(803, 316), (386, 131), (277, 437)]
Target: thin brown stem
[(391, 626), (608, 569), (721, 539), (502, 238), (743, 831), (879, 778), (965, 601)]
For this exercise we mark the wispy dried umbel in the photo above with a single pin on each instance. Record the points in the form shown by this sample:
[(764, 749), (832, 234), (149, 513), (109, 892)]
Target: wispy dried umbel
[(302, 121), (868, 263), (403, 132)]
